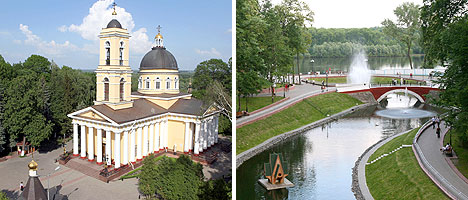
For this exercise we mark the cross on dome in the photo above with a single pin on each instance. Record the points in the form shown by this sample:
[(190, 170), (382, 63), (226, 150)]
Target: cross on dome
[(158, 39), (114, 4)]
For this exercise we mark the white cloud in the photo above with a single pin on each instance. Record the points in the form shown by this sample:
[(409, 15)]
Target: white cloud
[(99, 16), (49, 48), (229, 30), (62, 28), (212, 52)]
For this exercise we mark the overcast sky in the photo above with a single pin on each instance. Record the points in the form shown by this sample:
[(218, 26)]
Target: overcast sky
[(352, 13), (66, 31)]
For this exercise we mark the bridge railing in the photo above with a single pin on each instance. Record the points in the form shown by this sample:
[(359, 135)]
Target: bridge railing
[(419, 84)]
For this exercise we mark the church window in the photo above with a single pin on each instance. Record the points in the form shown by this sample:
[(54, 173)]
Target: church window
[(106, 89), (158, 83), (121, 52), (168, 83), (107, 53), (175, 83), (122, 83), (147, 82), (140, 83)]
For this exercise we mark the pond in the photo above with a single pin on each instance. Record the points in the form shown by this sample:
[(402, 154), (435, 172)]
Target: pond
[(320, 160), (342, 64)]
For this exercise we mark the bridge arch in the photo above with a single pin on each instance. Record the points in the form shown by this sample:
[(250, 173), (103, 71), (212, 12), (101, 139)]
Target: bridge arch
[(419, 97)]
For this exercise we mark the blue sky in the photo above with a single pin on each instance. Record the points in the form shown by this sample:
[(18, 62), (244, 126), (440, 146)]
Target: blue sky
[(66, 31)]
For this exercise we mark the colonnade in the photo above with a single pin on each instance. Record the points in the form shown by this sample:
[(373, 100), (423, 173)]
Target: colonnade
[(134, 142)]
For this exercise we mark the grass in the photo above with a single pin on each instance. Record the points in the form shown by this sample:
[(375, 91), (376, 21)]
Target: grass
[(398, 176), (460, 151), (374, 80), (300, 114), (256, 103), (134, 174)]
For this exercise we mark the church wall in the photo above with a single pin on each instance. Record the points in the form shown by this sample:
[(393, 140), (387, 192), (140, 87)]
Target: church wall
[(121, 147), (163, 103), (176, 135), (162, 74)]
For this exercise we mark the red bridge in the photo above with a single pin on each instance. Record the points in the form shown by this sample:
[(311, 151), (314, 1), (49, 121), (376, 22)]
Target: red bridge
[(380, 93)]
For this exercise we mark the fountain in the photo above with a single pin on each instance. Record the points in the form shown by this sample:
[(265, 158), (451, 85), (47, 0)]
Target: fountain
[(358, 71)]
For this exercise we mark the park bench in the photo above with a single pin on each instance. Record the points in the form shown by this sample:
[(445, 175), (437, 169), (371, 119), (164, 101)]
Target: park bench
[(242, 113)]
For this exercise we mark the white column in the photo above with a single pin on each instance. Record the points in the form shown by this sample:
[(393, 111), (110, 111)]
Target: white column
[(205, 135), (213, 133), (197, 139), (145, 140), (166, 133), (186, 137), (117, 150), (83, 141), (99, 146), (125, 148), (157, 142), (75, 139), (210, 133), (139, 146), (132, 146), (216, 129), (151, 139), (108, 148), (191, 141), (90, 143)]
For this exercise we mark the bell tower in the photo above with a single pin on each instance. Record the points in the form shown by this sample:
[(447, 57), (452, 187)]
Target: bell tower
[(114, 75)]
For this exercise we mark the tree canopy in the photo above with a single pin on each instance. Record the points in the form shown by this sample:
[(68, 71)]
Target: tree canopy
[(406, 28)]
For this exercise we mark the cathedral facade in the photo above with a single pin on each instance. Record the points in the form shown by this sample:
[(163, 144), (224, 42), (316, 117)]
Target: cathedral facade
[(124, 126)]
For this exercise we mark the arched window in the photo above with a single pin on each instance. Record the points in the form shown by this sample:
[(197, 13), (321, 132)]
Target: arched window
[(175, 83), (158, 83), (106, 89), (122, 83), (140, 84), (168, 83), (107, 46), (121, 52), (147, 83)]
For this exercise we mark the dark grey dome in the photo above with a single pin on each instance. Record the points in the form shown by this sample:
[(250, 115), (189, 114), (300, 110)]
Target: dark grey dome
[(158, 58), (114, 24)]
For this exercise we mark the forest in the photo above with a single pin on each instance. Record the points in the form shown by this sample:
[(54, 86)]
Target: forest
[(344, 42)]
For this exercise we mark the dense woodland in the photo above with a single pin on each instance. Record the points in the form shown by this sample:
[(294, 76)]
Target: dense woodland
[(36, 95), (343, 42)]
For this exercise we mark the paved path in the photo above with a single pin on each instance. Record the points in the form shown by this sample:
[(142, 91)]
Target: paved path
[(437, 166), (298, 93)]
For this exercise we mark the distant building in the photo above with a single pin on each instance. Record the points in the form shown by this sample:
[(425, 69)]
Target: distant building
[(125, 126)]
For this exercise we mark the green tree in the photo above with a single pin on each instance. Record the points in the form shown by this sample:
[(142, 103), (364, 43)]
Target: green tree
[(216, 190), (209, 71), (406, 28), (180, 179)]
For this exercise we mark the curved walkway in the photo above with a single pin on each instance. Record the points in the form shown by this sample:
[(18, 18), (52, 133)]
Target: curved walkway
[(300, 92), (432, 161)]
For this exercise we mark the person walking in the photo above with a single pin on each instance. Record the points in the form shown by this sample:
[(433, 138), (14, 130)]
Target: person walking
[(433, 122), (21, 186), (438, 122), (438, 132)]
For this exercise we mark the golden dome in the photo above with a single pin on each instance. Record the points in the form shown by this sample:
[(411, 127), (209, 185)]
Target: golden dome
[(158, 36), (114, 13), (32, 165)]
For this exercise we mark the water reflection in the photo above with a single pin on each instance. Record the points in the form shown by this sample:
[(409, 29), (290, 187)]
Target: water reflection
[(321, 160)]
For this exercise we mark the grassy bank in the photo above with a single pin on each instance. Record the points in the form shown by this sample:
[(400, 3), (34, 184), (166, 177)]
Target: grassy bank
[(398, 176), (255, 103), (460, 151), (302, 113), (374, 80)]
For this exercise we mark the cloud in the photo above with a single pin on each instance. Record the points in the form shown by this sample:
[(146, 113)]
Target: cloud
[(98, 17), (49, 48), (229, 30), (212, 52)]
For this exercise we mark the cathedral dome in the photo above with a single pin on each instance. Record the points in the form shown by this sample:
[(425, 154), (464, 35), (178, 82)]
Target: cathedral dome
[(114, 24), (158, 58)]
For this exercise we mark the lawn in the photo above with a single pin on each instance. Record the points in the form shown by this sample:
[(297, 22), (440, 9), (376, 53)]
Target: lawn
[(133, 173), (300, 114), (398, 176), (374, 80), (256, 103), (460, 151)]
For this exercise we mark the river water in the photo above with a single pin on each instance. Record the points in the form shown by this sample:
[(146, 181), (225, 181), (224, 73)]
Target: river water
[(321, 160)]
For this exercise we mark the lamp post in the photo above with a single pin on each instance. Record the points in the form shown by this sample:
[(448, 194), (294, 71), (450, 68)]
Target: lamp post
[(48, 186), (312, 62)]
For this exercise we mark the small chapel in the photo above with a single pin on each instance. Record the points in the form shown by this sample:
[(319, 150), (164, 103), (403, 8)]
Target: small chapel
[(124, 126)]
